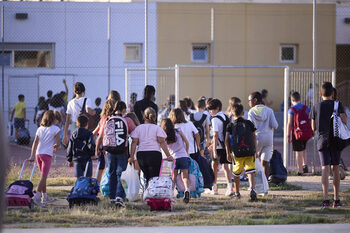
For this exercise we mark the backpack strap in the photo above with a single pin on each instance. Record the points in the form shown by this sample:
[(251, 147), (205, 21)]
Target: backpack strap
[(83, 108), (336, 104), (192, 117), (203, 118)]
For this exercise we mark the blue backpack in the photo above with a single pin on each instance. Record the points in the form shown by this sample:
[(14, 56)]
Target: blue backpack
[(194, 170), (278, 173)]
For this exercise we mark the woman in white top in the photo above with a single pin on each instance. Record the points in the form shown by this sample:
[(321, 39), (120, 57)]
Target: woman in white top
[(187, 128), (74, 108)]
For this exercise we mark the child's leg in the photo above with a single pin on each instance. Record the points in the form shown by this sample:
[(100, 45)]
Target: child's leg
[(176, 172), (122, 163), (251, 177), (185, 179), (299, 155), (215, 165), (45, 164), (228, 173), (237, 183)]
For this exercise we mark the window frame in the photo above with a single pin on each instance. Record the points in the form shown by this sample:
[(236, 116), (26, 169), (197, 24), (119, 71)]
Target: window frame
[(205, 61), (295, 53), (139, 45)]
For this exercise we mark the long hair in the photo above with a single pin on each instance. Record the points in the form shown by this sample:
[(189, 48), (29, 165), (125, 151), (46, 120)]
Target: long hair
[(79, 88), (108, 108), (177, 116), (114, 95), (257, 95), (133, 117), (231, 103), (169, 129), (120, 106), (150, 115), (149, 92), (48, 119)]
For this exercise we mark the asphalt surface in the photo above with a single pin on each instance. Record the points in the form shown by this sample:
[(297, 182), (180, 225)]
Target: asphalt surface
[(319, 228)]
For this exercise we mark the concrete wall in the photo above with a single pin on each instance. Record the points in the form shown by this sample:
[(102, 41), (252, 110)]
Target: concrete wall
[(245, 34)]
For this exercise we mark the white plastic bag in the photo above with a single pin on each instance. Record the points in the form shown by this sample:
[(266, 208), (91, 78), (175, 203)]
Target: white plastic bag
[(261, 185), (131, 182)]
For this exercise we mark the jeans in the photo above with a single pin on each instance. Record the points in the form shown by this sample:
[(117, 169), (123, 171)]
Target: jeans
[(116, 165)]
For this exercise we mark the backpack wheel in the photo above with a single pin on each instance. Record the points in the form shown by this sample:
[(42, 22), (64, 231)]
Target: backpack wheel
[(31, 204)]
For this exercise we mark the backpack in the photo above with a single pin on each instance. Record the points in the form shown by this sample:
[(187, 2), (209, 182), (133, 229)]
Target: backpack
[(199, 126), (91, 119), (302, 127), (115, 135), (23, 136), (82, 148), (225, 122), (241, 139), (278, 173)]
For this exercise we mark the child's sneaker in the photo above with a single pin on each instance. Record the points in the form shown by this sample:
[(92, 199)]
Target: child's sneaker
[(229, 192), (237, 195), (187, 197), (305, 169), (325, 204), (337, 204), (47, 199), (252, 195), (119, 202), (214, 190), (37, 201)]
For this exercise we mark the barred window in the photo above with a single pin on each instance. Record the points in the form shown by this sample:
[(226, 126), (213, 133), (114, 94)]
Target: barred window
[(200, 53), (288, 53), (132, 52)]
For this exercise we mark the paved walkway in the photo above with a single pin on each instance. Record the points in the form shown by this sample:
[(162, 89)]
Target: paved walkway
[(319, 228)]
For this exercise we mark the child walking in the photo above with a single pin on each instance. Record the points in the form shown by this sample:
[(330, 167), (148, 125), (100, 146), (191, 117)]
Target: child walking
[(240, 144), (81, 148), (46, 142), (19, 111), (175, 140)]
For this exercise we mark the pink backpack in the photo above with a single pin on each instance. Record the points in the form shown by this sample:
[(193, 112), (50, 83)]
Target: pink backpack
[(115, 135)]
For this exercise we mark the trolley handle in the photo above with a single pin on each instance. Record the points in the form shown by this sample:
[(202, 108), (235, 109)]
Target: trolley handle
[(87, 167), (33, 170)]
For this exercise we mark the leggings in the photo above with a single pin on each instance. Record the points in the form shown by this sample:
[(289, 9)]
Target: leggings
[(150, 162)]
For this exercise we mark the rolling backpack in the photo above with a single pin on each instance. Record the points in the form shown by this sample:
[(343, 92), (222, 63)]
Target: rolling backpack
[(241, 139), (115, 135), (302, 126), (278, 173), (199, 126)]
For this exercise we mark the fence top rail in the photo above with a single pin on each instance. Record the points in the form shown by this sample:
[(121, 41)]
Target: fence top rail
[(231, 66), (150, 69), (310, 70)]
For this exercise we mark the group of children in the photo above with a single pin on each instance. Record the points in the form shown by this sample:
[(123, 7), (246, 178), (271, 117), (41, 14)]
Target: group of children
[(236, 142)]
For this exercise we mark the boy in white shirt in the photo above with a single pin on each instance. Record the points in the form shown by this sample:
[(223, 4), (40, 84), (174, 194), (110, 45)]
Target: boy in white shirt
[(219, 123)]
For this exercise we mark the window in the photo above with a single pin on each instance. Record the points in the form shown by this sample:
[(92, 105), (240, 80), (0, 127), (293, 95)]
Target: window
[(5, 58), (288, 53), (132, 53), (30, 55), (200, 53)]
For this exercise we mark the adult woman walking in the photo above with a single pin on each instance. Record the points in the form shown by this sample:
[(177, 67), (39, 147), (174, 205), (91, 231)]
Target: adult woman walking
[(149, 138), (147, 101), (74, 109)]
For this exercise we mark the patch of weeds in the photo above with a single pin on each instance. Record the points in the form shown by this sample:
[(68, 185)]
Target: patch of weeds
[(329, 211), (284, 186)]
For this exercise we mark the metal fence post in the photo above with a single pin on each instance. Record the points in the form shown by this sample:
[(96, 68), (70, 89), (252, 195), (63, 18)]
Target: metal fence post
[(177, 91), (126, 86), (285, 117)]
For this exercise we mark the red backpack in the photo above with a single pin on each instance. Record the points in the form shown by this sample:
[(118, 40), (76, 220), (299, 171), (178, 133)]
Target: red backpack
[(302, 126)]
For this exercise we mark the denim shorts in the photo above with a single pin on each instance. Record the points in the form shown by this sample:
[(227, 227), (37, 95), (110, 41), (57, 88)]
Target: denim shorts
[(182, 163), (19, 123)]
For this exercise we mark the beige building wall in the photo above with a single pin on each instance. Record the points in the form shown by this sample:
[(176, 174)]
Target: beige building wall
[(245, 34)]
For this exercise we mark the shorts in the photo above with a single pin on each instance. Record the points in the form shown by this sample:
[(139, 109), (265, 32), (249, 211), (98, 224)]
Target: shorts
[(222, 157), (182, 163), (79, 168), (265, 152), (102, 162), (298, 145), (19, 123), (44, 163), (329, 157), (238, 163)]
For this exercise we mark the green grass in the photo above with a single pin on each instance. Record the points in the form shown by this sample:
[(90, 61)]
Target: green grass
[(284, 186)]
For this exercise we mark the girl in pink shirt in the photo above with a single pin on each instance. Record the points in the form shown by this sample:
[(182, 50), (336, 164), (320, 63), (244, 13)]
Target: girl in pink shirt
[(149, 138)]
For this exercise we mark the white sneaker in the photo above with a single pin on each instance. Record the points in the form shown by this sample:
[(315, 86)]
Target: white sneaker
[(229, 192), (48, 199), (214, 190), (37, 201)]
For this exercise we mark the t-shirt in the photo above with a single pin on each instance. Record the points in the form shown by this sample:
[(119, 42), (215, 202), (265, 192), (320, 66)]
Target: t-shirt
[(147, 135), (298, 106), (140, 107), (19, 107), (188, 129), (217, 126), (47, 139), (75, 105), (178, 149), (321, 113)]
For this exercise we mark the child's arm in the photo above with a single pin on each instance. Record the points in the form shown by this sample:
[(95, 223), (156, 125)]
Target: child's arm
[(207, 134), (255, 144), (198, 141), (289, 127), (65, 87), (215, 144), (164, 147), (135, 142), (12, 113), (24, 113), (65, 134), (70, 152), (185, 140), (227, 147), (58, 142), (92, 147), (97, 146), (34, 146)]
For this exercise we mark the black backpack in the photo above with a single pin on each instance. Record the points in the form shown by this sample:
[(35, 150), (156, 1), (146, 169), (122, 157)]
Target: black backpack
[(199, 126), (242, 143), (115, 135), (225, 122)]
